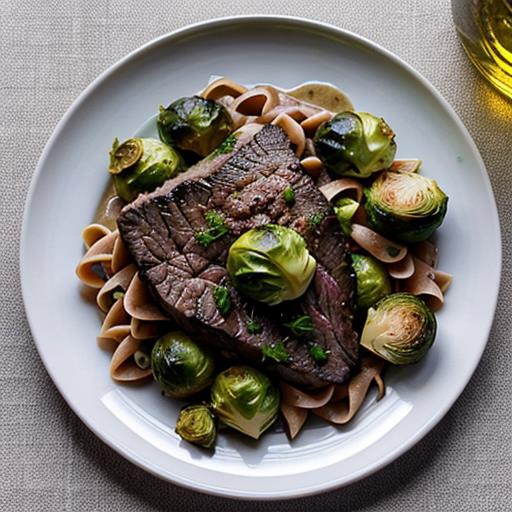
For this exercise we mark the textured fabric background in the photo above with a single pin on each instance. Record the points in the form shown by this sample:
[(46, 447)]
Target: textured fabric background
[(49, 51)]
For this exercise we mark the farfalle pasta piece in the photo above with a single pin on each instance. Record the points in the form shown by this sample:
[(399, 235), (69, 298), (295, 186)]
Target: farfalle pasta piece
[(122, 280), (423, 283), (298, 398), (293, 418), (402, 269)]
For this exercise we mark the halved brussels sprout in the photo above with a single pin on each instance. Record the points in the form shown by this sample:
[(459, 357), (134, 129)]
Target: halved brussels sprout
[(271, 264), (194, 124), (400, 328), (245, 399), (406, 206), (181, 366), (372, 280), (355, 144), (196, 424), (141, 165)]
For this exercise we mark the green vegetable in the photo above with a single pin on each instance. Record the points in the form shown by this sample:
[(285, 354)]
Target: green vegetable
[(405, 206), (372, 279), (142, 359), (355, 144), (195, 124), (289, 196), (318, 353), (400, 328), (196, 424), (344, 210), (254, 327), (245, 399), (181, 366), (276, 352), (315, 219), (217, 228), (227, 146), (141, 165), (301, 326), (271, 264), (222, 299), (118, 294)]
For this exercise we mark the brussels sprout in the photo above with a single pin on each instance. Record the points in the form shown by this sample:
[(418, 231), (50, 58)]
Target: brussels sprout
[(344, 210), (372, 280), (141, 165), (400, 328), (196, 424), (405, 206), (245, 399), (355, 144), (271, 264), (194, 124), (180, 365)]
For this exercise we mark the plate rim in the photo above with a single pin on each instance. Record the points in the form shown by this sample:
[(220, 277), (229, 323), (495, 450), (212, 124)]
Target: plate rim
[(298, 23)]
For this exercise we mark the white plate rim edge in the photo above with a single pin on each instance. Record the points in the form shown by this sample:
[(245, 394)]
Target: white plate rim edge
[(298, 22)]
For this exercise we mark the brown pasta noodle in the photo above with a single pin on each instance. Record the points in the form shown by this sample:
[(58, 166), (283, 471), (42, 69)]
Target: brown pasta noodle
[(293, 418), (122, 280), (427, 252), (346, 186), (312, 165), (342, 412), (223, 87), (293, 130), (93, 232), (115, 316), (122, 366), (297, 398), (256, 102), (442, 279), (144, 330), (422, 282), (379, 247), (402, 269), (311, 123), (120, 255), (139, 304)]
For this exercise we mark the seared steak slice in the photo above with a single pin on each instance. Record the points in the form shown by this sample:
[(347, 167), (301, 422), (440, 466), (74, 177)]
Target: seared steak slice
[(246, 187)]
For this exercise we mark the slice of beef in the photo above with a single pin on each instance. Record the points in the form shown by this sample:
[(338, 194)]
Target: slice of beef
[(246, 188)]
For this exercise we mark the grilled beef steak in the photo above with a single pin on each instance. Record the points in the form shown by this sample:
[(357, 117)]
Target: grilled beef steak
[(246, 187)]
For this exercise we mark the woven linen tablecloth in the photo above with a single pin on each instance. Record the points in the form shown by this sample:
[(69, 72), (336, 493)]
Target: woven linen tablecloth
[(49, 52)]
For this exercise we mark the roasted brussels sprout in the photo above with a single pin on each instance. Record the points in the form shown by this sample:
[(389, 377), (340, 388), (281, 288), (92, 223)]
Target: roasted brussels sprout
[(355, 144), (181, 366), (194, 124), (400, 328), (406, 206), (141, 165), (372, 280), (345, 209), (196, 424), (271, 264), (245, 399)]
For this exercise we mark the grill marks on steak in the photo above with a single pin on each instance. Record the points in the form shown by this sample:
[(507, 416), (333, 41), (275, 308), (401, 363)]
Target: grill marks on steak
[(246, 187)]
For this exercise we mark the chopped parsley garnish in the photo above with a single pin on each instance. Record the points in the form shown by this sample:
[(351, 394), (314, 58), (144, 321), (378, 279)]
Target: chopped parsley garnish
[(226, 146), (216, 228), (254, 327), (315, 219), (118, 294), (301, 326), (277, 352), (289, 195), (222, 299), (318, 353)]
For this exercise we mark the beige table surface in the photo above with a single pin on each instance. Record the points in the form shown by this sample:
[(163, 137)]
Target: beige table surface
[(49, 51)]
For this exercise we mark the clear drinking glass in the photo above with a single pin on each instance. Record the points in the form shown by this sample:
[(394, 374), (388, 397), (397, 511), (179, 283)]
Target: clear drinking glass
[(485, 29)]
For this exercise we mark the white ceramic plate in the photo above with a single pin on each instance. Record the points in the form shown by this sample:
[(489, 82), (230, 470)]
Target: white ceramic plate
[(71, 174)]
